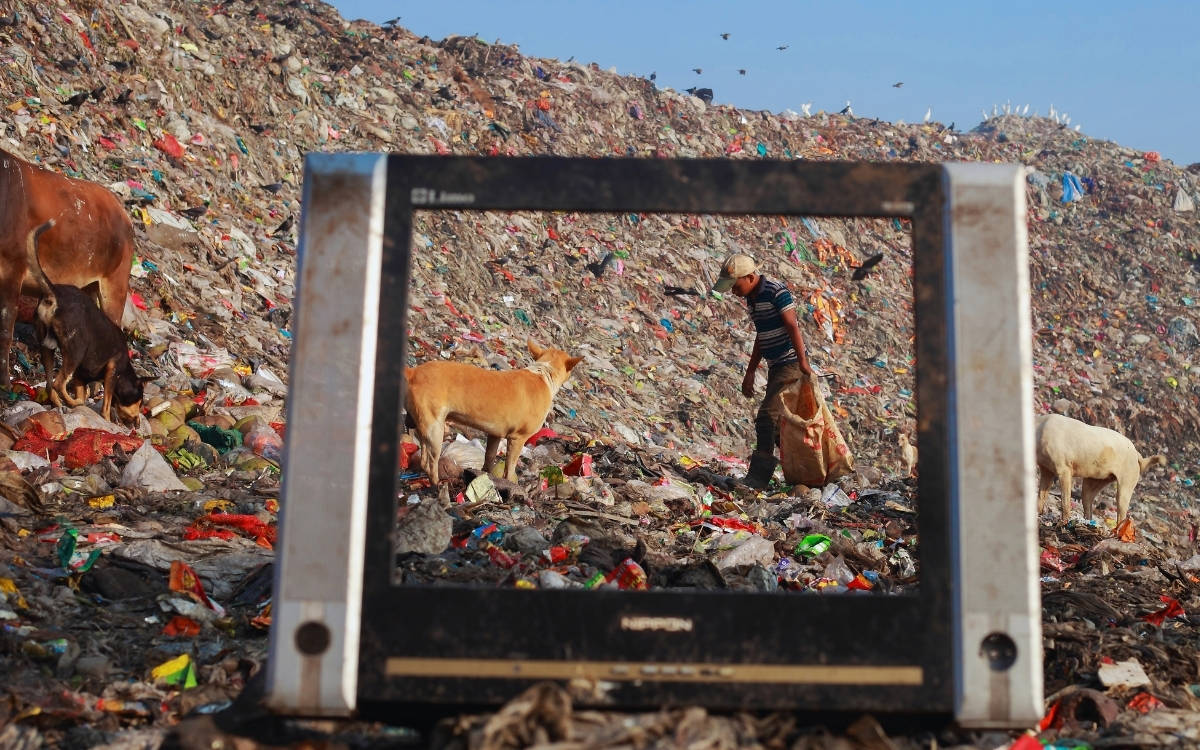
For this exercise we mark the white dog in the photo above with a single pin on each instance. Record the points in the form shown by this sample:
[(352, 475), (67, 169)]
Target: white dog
[(1068, 448)]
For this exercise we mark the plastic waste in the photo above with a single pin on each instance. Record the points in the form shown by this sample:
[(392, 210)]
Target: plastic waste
[(813, 545), (264, 441)]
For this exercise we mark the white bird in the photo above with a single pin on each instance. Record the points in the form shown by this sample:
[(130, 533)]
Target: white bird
[(1077, 128), (1066, 118), (984, 113), (806, 108), (1026, 110), (1008, 108), (1051, 115), (995, 110), (928, 114)]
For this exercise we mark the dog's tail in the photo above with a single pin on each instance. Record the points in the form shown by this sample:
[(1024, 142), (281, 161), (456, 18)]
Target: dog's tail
[(35, 267), (1146, 463)]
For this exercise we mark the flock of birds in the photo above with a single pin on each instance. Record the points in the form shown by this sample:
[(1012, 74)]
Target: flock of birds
[(1060, 118)]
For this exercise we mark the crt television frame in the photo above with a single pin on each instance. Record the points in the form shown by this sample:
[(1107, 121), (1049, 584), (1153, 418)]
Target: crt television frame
[(345, 639)]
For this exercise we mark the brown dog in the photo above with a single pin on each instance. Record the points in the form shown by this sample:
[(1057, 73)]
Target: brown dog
[(93, 241), (510, 404), (93, 347)]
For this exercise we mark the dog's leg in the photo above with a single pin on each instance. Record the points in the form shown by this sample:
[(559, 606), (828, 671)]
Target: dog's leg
[(59, 386), (429, 434), (1045, 481), (512, 455), (1091, 488), (489, 456), (1124, 496), (110, 371), (1065, 478)]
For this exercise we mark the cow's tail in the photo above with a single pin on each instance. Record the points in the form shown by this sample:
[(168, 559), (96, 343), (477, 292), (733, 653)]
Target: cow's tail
[(49, 301)]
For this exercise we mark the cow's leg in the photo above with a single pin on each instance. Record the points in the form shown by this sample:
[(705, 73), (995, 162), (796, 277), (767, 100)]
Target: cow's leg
[(10, 293)]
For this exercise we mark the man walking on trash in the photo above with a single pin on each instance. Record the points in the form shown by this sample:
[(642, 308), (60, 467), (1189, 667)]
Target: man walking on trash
[(778, 340)]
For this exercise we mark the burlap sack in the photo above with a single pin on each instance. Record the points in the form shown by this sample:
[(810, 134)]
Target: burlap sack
[(811, 448)]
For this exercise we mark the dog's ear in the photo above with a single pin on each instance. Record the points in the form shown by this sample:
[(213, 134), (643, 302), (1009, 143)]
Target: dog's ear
[(534, 349), (92, 290), (572, 361)]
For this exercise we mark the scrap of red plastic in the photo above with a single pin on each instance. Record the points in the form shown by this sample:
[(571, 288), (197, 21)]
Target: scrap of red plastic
[(169, 146), (536, 437), (1026, 742), (1145, 703), (580, 466), (406, 453), (1050, 559), (210, 525), (1051, 717), (1173, 609), (181, 626)]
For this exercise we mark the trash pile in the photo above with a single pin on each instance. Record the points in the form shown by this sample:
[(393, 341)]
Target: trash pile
[(135, 566)]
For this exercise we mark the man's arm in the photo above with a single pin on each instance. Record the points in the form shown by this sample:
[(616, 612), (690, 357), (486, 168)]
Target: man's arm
[(793, 329), (751, 368)]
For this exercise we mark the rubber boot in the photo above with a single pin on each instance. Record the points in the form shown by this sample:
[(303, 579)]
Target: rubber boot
[(762, 468)]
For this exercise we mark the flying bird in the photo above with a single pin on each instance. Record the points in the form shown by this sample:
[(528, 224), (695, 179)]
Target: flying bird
[(897, 84), (741, 71), (782, 47), (725, 35), (697, 71), (861, 272)]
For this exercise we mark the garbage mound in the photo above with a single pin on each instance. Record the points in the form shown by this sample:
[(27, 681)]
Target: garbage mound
[(135, 568)]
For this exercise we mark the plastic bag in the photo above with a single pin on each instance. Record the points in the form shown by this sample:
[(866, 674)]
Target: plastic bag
[(811, 448), (264, 441)]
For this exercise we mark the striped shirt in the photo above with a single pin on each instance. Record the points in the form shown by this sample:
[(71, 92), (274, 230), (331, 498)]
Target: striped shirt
[(767, 304)]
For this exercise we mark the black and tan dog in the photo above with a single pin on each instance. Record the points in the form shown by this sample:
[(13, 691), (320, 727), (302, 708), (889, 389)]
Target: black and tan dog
[(93, 347)]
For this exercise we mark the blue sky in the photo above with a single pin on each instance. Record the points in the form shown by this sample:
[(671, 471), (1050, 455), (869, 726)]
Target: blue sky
[(1127, 72)]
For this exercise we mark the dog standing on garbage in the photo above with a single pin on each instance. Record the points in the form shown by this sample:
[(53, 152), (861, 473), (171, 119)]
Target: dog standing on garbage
[(93, 347), (509, 404), (1068, 448)]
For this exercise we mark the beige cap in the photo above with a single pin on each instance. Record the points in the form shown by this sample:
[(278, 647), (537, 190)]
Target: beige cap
[(735, 267)]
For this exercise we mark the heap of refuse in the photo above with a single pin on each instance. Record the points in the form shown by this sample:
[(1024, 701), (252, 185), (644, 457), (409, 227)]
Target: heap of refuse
[(135, 567)]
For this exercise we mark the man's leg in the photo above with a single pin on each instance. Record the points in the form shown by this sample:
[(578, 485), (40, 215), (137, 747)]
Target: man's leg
[(766, 426)]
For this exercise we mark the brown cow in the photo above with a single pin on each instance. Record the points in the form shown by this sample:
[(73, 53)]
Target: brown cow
[(92, 241)]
